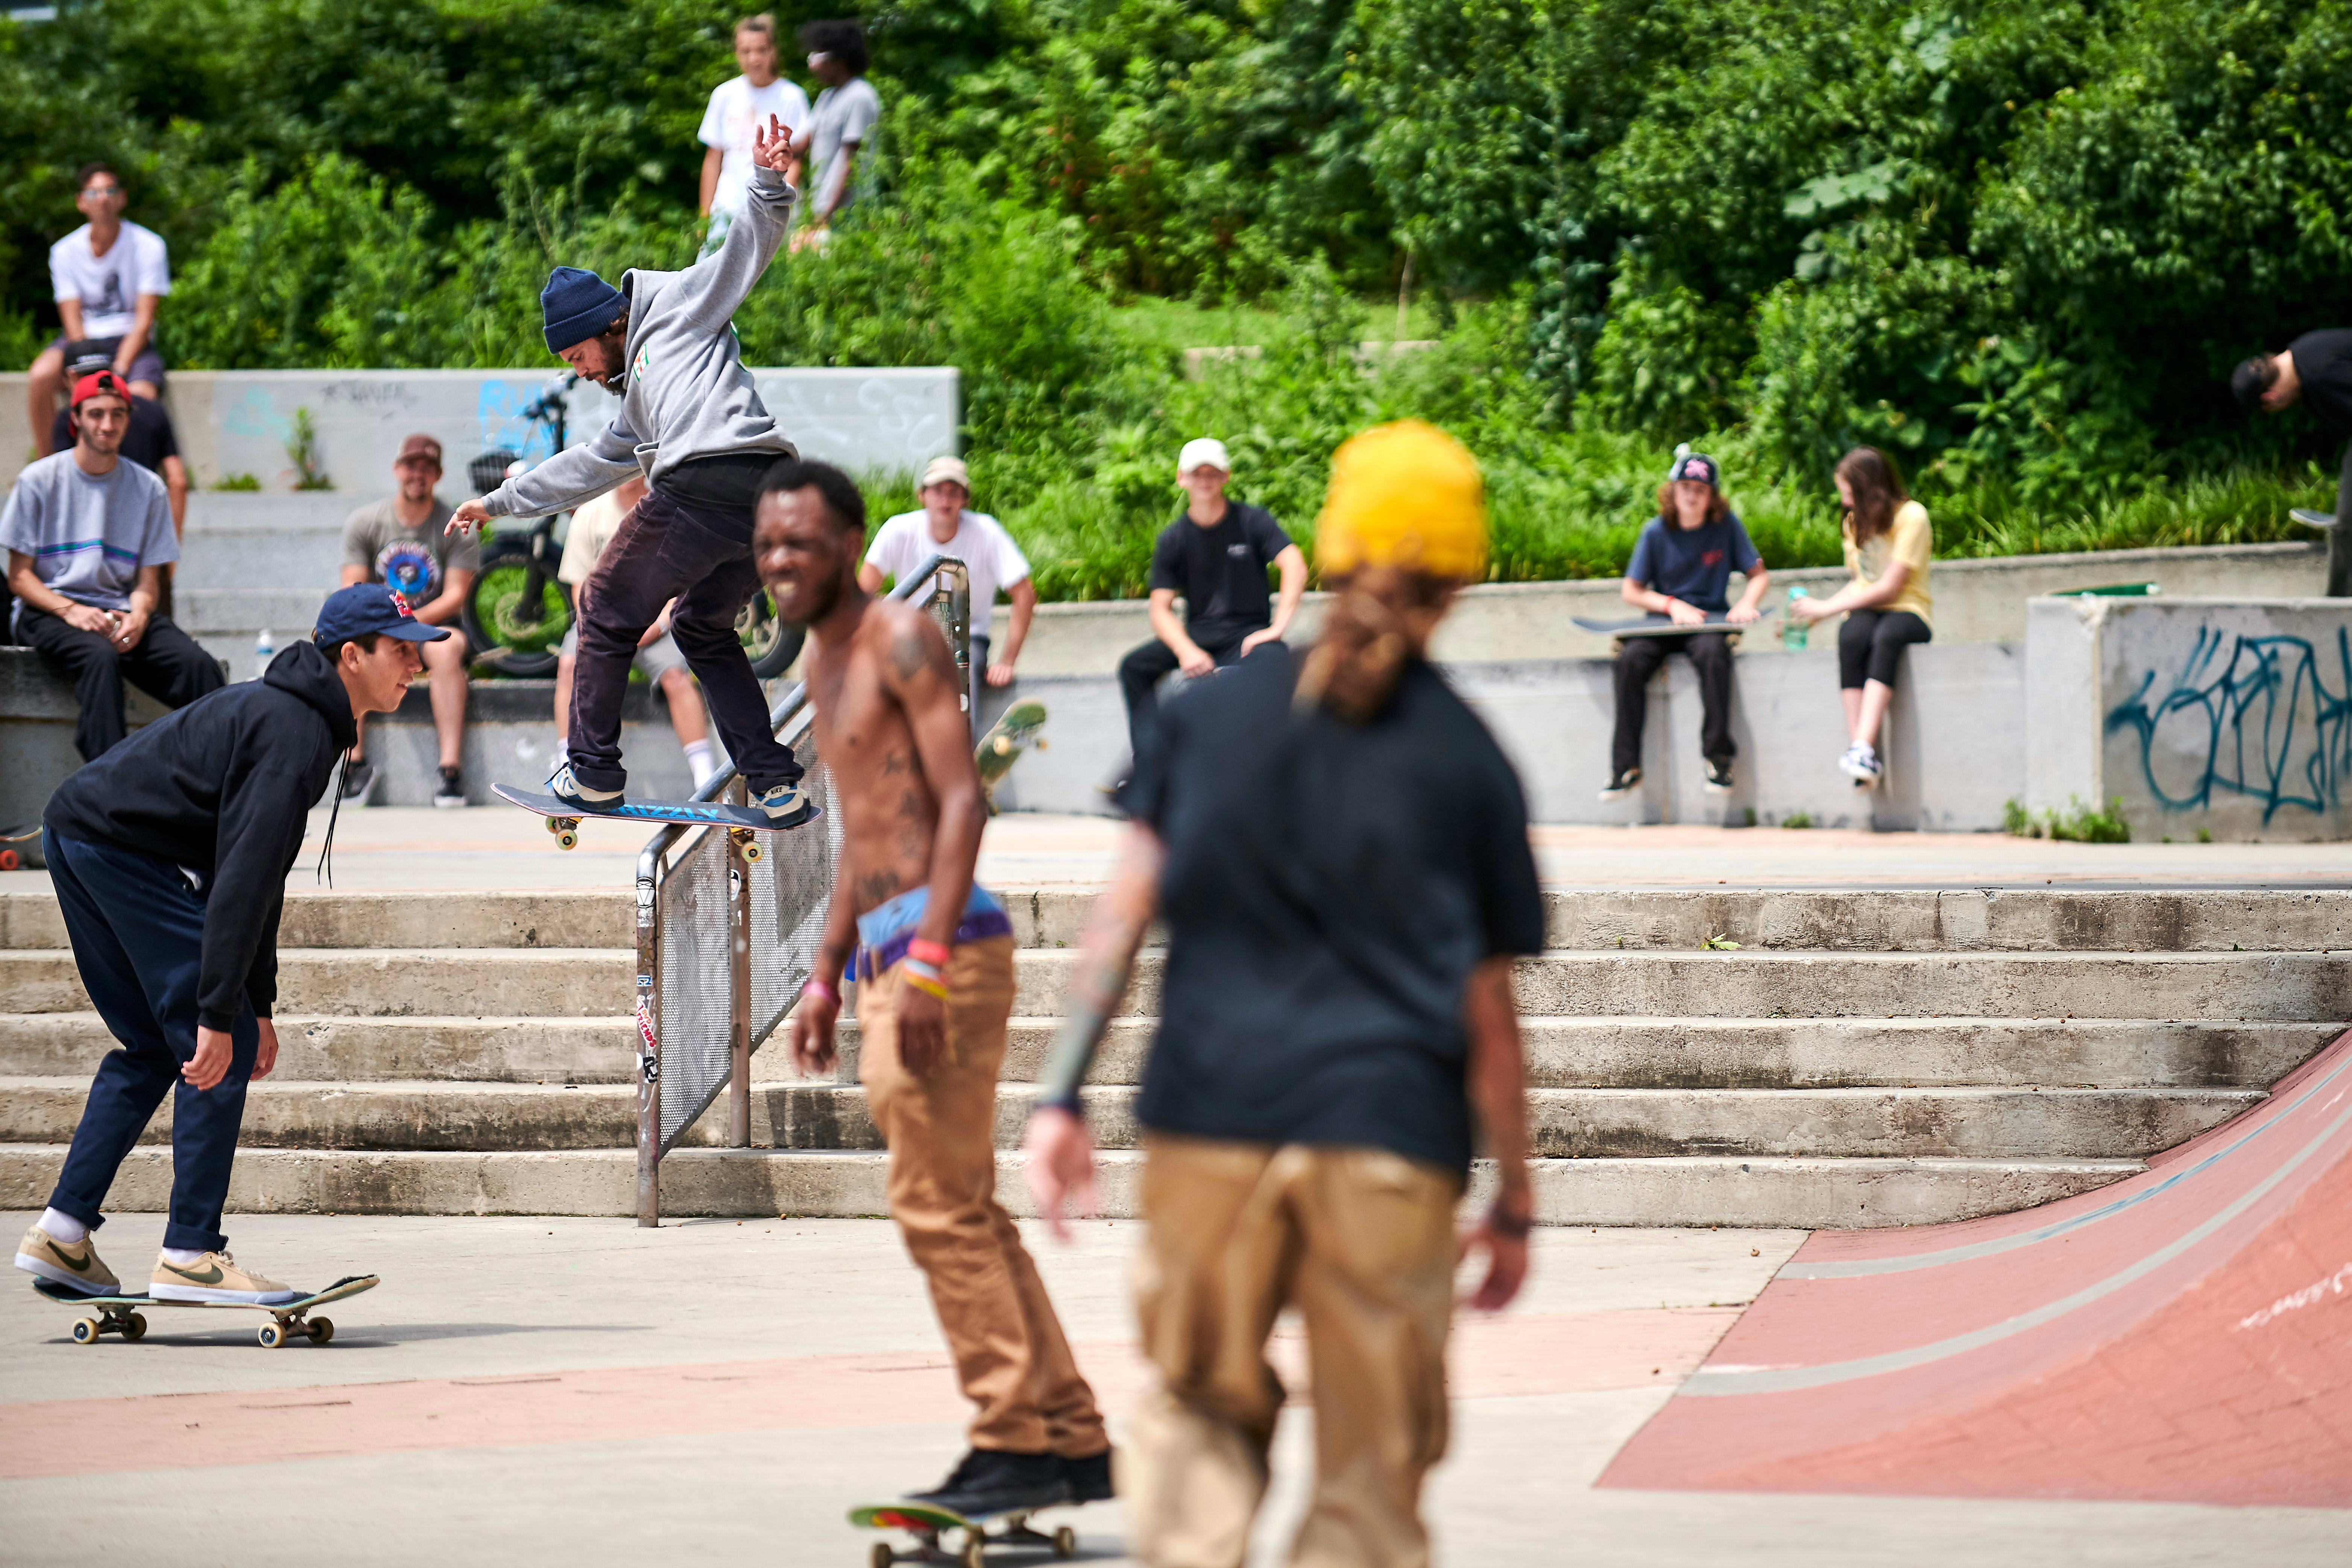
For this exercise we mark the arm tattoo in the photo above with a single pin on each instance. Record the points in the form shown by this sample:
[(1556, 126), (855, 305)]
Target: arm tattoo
[(907, 656), (1092, 1003)]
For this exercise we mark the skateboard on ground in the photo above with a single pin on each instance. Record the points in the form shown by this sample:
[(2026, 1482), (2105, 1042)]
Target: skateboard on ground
[(8, 858), (288, 1319), (1013, 733), (1663, 626), (564, 818), (927, 1524)]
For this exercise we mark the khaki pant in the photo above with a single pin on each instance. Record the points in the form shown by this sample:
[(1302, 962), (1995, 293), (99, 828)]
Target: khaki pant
[(1010, 1355), (1361, 1241)]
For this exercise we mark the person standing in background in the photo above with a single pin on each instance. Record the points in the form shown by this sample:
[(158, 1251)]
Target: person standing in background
[(2315, 370), (945, 526), (658, 660), (108, 277), (740, 107), (401, 542), (847, 111)]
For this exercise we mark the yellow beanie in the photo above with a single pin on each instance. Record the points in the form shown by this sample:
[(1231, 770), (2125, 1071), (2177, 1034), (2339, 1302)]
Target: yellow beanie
[(1404, 495)]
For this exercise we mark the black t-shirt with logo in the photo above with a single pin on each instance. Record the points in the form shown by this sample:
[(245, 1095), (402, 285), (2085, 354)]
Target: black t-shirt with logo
[(148, 441), (1328, 887), (1220, 572), (2323, 363)]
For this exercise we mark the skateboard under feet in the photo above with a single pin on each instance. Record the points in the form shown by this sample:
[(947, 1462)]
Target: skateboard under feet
[(288, 1319), (742, 822), (927, 1525)]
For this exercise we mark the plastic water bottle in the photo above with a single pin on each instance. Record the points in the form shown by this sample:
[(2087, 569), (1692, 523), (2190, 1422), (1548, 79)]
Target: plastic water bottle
[(1792, 630), (265, 649)]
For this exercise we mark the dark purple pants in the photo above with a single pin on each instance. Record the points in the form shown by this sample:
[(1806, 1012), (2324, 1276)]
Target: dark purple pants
[(702, 556)]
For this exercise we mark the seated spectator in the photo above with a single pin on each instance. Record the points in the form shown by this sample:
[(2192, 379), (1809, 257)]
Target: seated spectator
[(87, 537), (2315, 370), (658, 658), (151, 444), (1215, 555), (1682, 569), (402, 542), (1887, 607), (840, 127), (944, 527), (109, 277), (741, 106)]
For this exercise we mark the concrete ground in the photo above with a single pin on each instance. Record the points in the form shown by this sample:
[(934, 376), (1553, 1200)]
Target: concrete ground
[(393, 847), (586, 1392)]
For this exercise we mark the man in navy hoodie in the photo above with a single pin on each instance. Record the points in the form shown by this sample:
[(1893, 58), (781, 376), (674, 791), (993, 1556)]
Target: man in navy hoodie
[(169, 856)]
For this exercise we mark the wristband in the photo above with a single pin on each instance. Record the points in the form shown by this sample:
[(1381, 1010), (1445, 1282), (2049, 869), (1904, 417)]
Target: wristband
[(924, 977), (1069, 1102), (938, 954), (821, 988)]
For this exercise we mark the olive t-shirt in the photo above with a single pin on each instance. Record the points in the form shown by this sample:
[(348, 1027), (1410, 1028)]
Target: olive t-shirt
[(415, 562), (1220, 572), (1908, 540), (1328, 889)]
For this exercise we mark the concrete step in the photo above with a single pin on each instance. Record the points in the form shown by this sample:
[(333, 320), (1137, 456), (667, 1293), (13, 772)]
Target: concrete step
[(386, 982), (1800, 1193), (1573, 1123), (568, 918), (341, 1049)]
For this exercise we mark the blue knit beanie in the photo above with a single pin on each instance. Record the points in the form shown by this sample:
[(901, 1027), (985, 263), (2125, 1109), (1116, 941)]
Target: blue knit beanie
[(578, 305)]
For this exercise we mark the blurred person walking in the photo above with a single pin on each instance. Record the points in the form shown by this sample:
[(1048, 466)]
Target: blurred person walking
[(739, 108), (108, 277), (1339, 851)]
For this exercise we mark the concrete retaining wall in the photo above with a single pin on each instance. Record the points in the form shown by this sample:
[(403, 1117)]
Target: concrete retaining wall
[(239, 421), (37, 712), (2204, 716)]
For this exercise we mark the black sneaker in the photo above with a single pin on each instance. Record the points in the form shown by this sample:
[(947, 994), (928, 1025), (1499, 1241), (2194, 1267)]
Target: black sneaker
[(987, 1482), (1621, 784), (1718, 775), (359, 781), (452, 791), (1089, 1479)]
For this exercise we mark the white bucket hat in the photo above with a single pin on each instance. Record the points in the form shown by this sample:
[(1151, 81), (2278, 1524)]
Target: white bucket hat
[(1207, 452)]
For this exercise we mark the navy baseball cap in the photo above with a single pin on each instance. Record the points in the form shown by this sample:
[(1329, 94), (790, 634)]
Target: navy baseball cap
[(365, 607), (1698, 466)]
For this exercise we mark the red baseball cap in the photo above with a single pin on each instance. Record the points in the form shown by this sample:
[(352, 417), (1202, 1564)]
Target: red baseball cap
[(99, 383)]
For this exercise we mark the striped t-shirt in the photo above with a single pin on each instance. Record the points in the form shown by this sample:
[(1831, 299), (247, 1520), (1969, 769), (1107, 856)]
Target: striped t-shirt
[(89, 534)]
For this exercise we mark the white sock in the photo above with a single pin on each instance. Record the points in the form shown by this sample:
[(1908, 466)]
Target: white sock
[(562, 752), (700, 761), (63, 1226), (182, 1255)]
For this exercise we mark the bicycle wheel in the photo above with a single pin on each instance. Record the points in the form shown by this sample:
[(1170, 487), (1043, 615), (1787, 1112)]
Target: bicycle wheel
[(770, 643), (499, 610)]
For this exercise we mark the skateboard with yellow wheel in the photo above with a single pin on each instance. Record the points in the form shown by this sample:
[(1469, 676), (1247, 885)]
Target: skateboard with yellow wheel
[(125, 1315), (742, 822), (1015, 732), (929, 1525)]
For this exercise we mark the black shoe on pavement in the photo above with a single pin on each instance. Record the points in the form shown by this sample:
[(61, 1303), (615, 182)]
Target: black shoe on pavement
[(1718, 775), (452, 791), (990, 1481), (1089, 1479), (359, 781), (1622, 784)]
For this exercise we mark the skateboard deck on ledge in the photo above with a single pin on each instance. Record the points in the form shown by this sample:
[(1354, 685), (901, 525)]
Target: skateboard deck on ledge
[(927, 1524), (120, 1313), (1663, 626), (1015, 732), (717, 813)]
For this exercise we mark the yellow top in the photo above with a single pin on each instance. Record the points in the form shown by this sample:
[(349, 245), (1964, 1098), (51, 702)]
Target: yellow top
[(1911, 542), (1404, 495)]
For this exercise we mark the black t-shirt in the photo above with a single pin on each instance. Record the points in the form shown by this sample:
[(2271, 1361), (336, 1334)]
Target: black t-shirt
[(1327, 891), (1220, 571), (2323, 363), (147, 443)]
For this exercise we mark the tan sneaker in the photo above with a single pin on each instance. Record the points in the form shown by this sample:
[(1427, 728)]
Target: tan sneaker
[(215, 1277), (73, 1264)]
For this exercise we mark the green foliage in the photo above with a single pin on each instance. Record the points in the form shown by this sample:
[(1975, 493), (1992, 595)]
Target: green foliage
[(2078, 823)]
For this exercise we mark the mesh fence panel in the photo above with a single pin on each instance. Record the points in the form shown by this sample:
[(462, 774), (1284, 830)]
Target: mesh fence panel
[(790, 888), (694, 968)]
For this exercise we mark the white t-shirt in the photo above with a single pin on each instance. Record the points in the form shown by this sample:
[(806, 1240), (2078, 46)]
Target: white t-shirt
[(988, 553), (844, 115), (736, 111), (109, 286)]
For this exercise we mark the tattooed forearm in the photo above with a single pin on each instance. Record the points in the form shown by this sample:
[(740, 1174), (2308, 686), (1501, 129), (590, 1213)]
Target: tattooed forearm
[(1105, 960)]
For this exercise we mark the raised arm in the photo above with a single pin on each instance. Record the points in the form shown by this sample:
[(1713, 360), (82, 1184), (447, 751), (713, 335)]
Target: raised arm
[(709, 291)]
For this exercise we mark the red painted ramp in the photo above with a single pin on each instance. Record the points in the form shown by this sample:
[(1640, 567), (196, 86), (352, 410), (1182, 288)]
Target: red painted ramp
[(2184, 1335)]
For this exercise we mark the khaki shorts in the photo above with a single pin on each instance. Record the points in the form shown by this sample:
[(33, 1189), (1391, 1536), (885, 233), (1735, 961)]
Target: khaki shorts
[(654, 661)]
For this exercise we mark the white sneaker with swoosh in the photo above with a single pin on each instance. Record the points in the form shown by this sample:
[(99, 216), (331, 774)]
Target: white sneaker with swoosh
[(72, 1264), (215, 1277)]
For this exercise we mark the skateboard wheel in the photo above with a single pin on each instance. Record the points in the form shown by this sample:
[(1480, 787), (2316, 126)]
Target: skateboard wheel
[(133, 1326), (1040, 743), (321, 1329), (87, 1329), (975, 1550), (1004, 745), (554, 825), (1065, 1541), (881, 1556), (272, 1335), (751, 851), (567, 839), (7, 859)]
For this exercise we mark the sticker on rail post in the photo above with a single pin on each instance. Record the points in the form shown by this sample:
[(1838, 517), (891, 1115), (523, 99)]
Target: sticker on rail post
[(649, 1058)]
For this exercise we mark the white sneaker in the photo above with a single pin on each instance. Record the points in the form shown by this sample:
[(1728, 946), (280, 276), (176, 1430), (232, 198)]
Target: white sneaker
[(215, 1277), (2310, 518), (571, 792), (787, 805), (1860, 764)]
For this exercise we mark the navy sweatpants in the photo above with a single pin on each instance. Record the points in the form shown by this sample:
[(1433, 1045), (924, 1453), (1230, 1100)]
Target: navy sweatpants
[(138, 935)]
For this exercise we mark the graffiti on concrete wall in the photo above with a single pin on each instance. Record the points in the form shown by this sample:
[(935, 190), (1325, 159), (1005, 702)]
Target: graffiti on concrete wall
[(2245, 715)]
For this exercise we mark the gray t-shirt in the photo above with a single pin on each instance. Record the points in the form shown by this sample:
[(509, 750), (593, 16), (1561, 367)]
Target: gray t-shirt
[(88, 535), (844, 115), (416, 561)]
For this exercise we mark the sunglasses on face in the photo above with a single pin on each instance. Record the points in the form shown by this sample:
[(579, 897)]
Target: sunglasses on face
[(102, 190)]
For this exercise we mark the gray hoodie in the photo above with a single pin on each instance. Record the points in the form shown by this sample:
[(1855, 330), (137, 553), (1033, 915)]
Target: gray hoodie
[(685, 394)]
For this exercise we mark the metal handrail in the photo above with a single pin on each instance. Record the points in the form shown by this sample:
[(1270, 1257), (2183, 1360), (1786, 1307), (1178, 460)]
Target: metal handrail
[(653, 865)]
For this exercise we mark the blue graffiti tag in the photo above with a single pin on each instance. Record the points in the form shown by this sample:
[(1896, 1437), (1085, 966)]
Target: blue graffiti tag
[(498, 410), (2249, 711)]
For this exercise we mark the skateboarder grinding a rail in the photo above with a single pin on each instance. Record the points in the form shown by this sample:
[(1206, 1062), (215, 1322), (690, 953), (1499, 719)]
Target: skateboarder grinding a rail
[(1340, 850), (1682, 569), (692, 421), (169, 857), (933, 957)]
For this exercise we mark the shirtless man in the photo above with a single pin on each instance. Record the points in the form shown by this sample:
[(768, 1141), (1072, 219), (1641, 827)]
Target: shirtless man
[(933, 957)]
